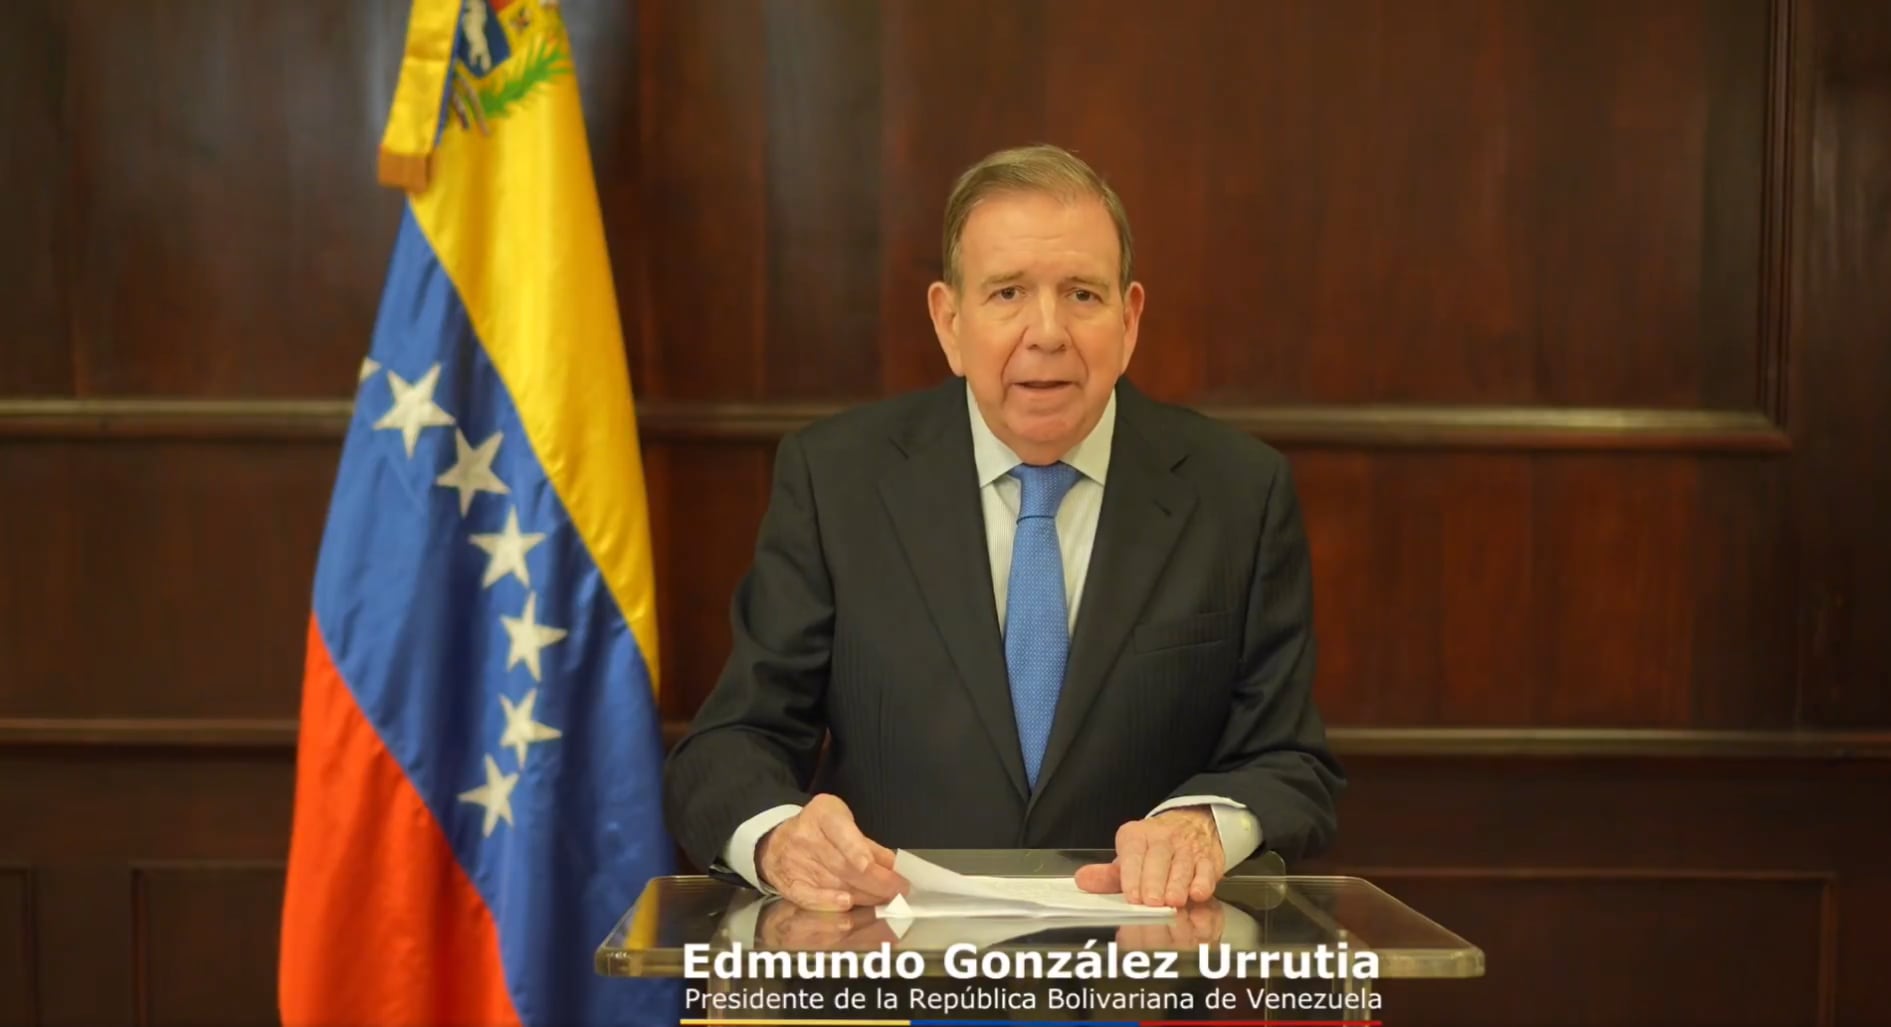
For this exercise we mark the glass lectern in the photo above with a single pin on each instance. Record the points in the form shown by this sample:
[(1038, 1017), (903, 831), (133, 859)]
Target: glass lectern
[(1268, 946)]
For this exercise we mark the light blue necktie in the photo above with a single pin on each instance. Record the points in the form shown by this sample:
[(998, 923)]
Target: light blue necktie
[(1037, 622)]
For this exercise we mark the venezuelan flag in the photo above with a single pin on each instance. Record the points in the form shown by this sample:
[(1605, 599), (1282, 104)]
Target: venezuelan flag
[(477, 792)]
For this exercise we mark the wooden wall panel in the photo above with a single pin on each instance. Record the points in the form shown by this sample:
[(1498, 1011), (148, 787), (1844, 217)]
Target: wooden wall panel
[(188, 918), (716, 491), (823, 176), (604, 44), (34, 358), (221, 160), (86, 817), (1464, 240), (1521, 852), (19, 958), (1843, 371), (1671, 948), (704, 197), (162, 578)]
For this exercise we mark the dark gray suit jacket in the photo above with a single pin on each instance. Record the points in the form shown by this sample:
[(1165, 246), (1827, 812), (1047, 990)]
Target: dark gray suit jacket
[(867, 617)]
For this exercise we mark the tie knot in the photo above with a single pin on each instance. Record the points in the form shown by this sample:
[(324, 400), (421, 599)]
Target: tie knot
[(1044, 488)]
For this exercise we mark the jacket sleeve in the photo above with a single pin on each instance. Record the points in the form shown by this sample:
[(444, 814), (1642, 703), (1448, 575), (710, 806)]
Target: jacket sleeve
[(1272, 756), (755, 741)]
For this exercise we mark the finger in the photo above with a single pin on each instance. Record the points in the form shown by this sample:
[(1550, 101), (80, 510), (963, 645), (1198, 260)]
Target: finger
[(1181, 876), (1181, 929), (811, 873), (840, 831), (1155, 872), (1131, 844), (1136, 936), (881, 854), (812, 897), (873, 882), (875, 885), (1206, 877), (1206, 919), (1100, 878)]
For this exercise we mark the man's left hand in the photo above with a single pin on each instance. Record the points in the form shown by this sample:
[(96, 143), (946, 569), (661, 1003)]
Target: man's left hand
[(1170, 859)]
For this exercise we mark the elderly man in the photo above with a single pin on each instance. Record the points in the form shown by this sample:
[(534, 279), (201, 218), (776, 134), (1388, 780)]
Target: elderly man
[(1029, 607)]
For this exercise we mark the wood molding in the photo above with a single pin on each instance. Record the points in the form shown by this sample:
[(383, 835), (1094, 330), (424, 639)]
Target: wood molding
[(146, 733), (234, 420), (1531, 742), (1590, 874), (28, 929), (1359, 742), (1502, 428), (1776, 216), (141, 873)]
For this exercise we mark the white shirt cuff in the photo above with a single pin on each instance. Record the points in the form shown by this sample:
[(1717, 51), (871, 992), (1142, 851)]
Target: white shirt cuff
[(739, 854), (1239, 830)]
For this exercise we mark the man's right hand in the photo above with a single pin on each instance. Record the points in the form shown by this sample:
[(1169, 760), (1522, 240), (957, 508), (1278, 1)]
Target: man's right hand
[(818, 859)]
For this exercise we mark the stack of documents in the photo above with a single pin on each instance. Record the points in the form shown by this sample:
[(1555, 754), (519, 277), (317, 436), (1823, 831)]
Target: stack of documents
[(938, 892)]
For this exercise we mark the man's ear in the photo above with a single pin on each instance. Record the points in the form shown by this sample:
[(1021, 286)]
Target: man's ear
[(943, 305), (1132, 319)]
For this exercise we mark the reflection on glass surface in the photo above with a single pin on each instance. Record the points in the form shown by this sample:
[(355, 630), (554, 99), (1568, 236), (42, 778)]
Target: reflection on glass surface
[(1257, 914)]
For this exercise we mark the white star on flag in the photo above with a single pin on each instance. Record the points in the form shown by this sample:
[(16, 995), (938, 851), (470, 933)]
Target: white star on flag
[(521, 729), (507, 549), (472, 472), (495, 795), (368, 366), (528, 636), (413, 409)]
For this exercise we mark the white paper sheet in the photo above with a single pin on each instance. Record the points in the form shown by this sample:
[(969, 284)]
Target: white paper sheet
[(938, 892)]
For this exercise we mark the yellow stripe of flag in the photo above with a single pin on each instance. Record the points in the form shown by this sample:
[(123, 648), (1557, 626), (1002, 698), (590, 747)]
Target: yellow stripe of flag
[(513, 215)]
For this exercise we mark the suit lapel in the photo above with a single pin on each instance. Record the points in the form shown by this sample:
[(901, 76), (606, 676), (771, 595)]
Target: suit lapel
[(934, 502), (1144, 509)]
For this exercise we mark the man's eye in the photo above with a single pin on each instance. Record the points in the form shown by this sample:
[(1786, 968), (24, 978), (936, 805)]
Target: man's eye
[(1009, 292), (1084, 295)]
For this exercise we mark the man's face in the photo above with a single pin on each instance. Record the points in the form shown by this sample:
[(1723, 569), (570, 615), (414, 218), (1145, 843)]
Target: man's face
[(1038, 324)]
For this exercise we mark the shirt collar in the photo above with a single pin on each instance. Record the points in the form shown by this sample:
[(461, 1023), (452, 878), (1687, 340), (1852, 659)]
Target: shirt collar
[(994, 459)]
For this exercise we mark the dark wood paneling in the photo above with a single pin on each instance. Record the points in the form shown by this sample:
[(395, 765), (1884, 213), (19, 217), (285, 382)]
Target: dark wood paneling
[(206, 735), (1464, 240), (19, 955), (1572, 873), (823, 176), (34, 359), (709, 491), (957, 81), (220, 167), (85, 975), (89, 807), (605, 51), (1742, 569), (84, 818), (1500, 429), (1526, 290), (701, 102), (1616, 612), (161, 579), (190, 917), (1601, 947), (1464, 589), (1471, 821), (1843, 370)]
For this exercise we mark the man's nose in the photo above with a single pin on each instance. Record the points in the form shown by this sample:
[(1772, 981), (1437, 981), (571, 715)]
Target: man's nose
[(1047, 330)]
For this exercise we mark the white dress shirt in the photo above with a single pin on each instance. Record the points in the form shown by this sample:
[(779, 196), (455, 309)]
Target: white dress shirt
[(998, 494)]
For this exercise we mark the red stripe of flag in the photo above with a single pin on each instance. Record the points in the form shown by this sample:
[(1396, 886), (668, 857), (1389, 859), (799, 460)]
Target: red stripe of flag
[(402, 937)]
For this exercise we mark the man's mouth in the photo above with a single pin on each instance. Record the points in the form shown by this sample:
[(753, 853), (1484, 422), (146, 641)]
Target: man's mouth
[(1041, 385)]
